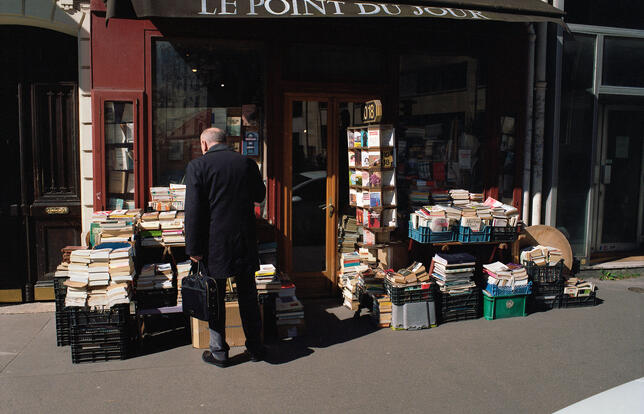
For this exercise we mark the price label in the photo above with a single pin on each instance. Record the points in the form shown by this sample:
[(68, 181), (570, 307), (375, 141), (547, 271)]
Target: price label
[(372, 111)]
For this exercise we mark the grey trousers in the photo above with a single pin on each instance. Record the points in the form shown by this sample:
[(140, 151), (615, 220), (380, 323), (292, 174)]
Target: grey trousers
[(249, 312)]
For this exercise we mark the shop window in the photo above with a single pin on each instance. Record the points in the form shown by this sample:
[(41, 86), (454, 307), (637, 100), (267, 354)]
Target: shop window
[(622, 13), (326, 63), (198, 84), (623, 63), (440, 137), (577, 106)]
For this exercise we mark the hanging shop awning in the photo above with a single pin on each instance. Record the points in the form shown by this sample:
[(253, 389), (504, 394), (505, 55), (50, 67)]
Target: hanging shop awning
[(471, 10)]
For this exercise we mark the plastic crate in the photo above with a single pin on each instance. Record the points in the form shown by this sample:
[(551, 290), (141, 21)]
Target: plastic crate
[(547, 289), (409, 294), (89, 353), (156, 298), (505, 234), (461, 315), (494, 290), (99, 336), (117, 315), (545, 274), (63, 333), (466, 235), (498, 307), (413, 316), (458, 307), (425, 235), (540, 303), (579, 301)]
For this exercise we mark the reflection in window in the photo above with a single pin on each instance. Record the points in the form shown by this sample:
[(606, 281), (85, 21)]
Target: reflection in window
[(196, 85), (442, 105), (623, 63), (577, 104)]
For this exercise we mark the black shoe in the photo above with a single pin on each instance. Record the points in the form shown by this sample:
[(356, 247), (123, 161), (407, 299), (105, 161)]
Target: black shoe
[(209, 358), (257, 355)]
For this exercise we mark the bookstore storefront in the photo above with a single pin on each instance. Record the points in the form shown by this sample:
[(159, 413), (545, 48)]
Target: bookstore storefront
[(285, 79)]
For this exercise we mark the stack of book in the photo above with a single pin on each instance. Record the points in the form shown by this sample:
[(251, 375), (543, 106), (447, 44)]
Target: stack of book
[(351, 294), (371, 282), (289, 314), (150, 229), (381, 311), (160, 199), (502, 214), (121, 265), (511, 276), (267, 279), (118, 227), (178, 196), (171, 223), (350, 266), (538, 255), (99, 269), (454, 273), (441, 197), (78, 278), (155, 277), (459, 197), (413, 274), (183, 270), (348, 234), (118, 293), (575, 287)]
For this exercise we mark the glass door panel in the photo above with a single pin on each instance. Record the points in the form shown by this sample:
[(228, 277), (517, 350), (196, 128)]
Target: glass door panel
[(310, 173), (621, 179), (119, 152)]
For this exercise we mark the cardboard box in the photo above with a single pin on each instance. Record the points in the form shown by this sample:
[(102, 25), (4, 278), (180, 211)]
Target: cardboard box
[(394, 256), (234, 332)]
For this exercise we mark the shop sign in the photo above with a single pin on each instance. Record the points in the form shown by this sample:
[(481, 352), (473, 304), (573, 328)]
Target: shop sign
[(319, 8), (372, 111)]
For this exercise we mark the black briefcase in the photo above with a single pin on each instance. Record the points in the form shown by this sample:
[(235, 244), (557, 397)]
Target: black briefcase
[(199, 293)]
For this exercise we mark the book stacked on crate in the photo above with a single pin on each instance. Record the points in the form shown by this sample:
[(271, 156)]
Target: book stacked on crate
[(160, 199), (150, 231), (267, 279), (78, 278), (578, 293), (178, 196), (506, 279), (457, 295), (350, 267), (412, 299), (154, 286), (99, 278), (544, 265), (289, 312), (121, 269), (381, 310), (183, 270)]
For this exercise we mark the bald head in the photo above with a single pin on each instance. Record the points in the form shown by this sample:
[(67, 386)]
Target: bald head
[(210, 137)]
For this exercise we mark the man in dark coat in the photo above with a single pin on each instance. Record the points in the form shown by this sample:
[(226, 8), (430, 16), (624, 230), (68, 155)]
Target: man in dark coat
[(221, 189)]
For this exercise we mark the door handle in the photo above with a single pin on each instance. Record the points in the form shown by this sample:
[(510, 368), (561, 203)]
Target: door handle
[(331, 210)]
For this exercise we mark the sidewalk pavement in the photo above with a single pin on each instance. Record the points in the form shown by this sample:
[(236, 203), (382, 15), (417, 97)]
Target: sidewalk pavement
[(536, 364)]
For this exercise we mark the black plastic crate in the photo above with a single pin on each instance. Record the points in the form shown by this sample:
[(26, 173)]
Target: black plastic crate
[(450, 302), (545, 274), (96, 353), (62, 328), (548, 289), (156, 298), (541, 303), (461, 315), (116, 315), (100, 336), (409, 294), (505, 234), (579, 301)]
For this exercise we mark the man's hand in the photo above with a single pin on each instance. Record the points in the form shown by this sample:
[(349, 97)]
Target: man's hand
[(196, 258)]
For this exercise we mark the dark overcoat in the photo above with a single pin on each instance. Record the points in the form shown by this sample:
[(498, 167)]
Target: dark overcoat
[(221, 188)]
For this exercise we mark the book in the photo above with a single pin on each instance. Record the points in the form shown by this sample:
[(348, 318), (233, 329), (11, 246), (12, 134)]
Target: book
[(455, 259), (233, 126), (117, 182)]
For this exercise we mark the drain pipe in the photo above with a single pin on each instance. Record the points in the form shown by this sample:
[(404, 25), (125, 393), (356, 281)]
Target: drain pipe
[(539, 122), (527, 145)]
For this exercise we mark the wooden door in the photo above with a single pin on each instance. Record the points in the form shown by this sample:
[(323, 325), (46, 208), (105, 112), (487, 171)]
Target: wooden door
[(316, 186), (50, 174)]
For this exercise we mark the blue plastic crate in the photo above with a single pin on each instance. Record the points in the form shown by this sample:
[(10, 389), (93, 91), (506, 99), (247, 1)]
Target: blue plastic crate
[(425, 235), (466, 235), (495, 290)]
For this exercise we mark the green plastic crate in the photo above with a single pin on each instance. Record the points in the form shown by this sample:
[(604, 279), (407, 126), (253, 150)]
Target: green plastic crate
[(497, 307)]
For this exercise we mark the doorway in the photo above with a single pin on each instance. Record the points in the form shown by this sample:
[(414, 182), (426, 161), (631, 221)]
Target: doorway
[(620, 204), (316, 182)]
